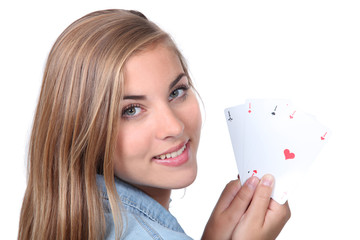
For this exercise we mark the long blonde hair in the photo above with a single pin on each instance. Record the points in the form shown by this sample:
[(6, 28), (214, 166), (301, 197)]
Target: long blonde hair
[(74, 127)]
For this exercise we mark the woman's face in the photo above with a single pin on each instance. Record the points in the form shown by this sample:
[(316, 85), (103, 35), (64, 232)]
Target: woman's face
[(159, 129)]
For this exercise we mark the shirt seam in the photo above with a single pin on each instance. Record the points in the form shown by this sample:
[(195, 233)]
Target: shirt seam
[(133, 204), (127, 202), (150, 230)]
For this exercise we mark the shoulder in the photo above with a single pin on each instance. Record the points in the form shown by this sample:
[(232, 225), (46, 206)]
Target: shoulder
[(142, 216), (141, 227)]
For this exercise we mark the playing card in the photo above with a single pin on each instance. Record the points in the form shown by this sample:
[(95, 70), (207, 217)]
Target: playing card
[(259, 119), (276, 138), (235, 118)]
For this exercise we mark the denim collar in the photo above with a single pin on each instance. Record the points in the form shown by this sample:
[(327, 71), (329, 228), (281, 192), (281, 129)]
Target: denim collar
[(137, 202)]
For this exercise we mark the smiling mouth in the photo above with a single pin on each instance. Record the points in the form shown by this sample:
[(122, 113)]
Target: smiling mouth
[(172, 154)]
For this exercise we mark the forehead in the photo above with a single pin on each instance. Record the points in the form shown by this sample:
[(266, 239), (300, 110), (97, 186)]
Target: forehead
[(157, 65)]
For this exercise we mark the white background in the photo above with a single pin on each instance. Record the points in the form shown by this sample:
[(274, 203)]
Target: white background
[(307, 51)]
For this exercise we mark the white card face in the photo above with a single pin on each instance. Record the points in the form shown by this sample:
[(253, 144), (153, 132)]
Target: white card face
[(235, 117), (275, 138), (264, 114), (268, 107)]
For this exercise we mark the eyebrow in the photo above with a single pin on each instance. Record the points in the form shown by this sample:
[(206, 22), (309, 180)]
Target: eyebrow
[(143, 97), (135, 97), (178, 78)]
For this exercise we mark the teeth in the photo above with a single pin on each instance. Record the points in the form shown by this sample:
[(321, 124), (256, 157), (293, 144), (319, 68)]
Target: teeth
[(171, 155)]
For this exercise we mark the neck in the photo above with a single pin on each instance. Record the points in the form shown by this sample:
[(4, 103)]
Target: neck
[(160, 195)]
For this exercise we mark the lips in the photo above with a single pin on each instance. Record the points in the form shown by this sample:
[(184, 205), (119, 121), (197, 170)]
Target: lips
[(174, 157), (171, 154)]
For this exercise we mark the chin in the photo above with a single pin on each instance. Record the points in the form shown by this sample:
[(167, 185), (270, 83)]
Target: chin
[(184, 180)]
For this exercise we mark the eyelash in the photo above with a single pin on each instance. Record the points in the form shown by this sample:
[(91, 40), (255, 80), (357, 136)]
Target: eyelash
[(127, 108), (183, 87)]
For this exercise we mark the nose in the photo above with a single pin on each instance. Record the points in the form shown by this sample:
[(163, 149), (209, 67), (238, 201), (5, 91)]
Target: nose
[(168, 123)]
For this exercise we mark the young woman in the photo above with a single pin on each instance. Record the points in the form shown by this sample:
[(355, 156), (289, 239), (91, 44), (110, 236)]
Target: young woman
[(117, 127)]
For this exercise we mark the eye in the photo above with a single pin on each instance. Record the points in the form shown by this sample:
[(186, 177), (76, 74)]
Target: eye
[(178, 92), (131, 111)]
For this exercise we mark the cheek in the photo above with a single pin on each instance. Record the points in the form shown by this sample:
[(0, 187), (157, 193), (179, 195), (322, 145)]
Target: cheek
[(131, 145), (192, 117)]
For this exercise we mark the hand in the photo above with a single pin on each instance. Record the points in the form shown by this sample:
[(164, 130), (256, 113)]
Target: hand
[(264, 218), (247, 212)]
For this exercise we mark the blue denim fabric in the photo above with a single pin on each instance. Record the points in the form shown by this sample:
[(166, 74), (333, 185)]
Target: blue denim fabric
[(143, 217)]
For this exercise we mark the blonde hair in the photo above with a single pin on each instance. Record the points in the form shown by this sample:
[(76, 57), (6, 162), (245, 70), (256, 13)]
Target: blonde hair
[(75, 123)]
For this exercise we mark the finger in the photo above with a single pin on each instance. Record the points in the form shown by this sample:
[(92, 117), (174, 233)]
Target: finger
[(243, 198), (228, 194), (276, 218), (261, 199), (220, 226), (279, 213)]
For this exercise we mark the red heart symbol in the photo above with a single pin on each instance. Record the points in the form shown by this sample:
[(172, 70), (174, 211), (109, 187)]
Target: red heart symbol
[(288, 154)]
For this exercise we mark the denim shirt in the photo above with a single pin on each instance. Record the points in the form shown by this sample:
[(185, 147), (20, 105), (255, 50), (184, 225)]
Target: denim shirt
[(143, 217)]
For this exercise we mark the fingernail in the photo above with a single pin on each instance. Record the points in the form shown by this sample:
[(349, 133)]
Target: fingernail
[(252, 182), (267, 180)]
